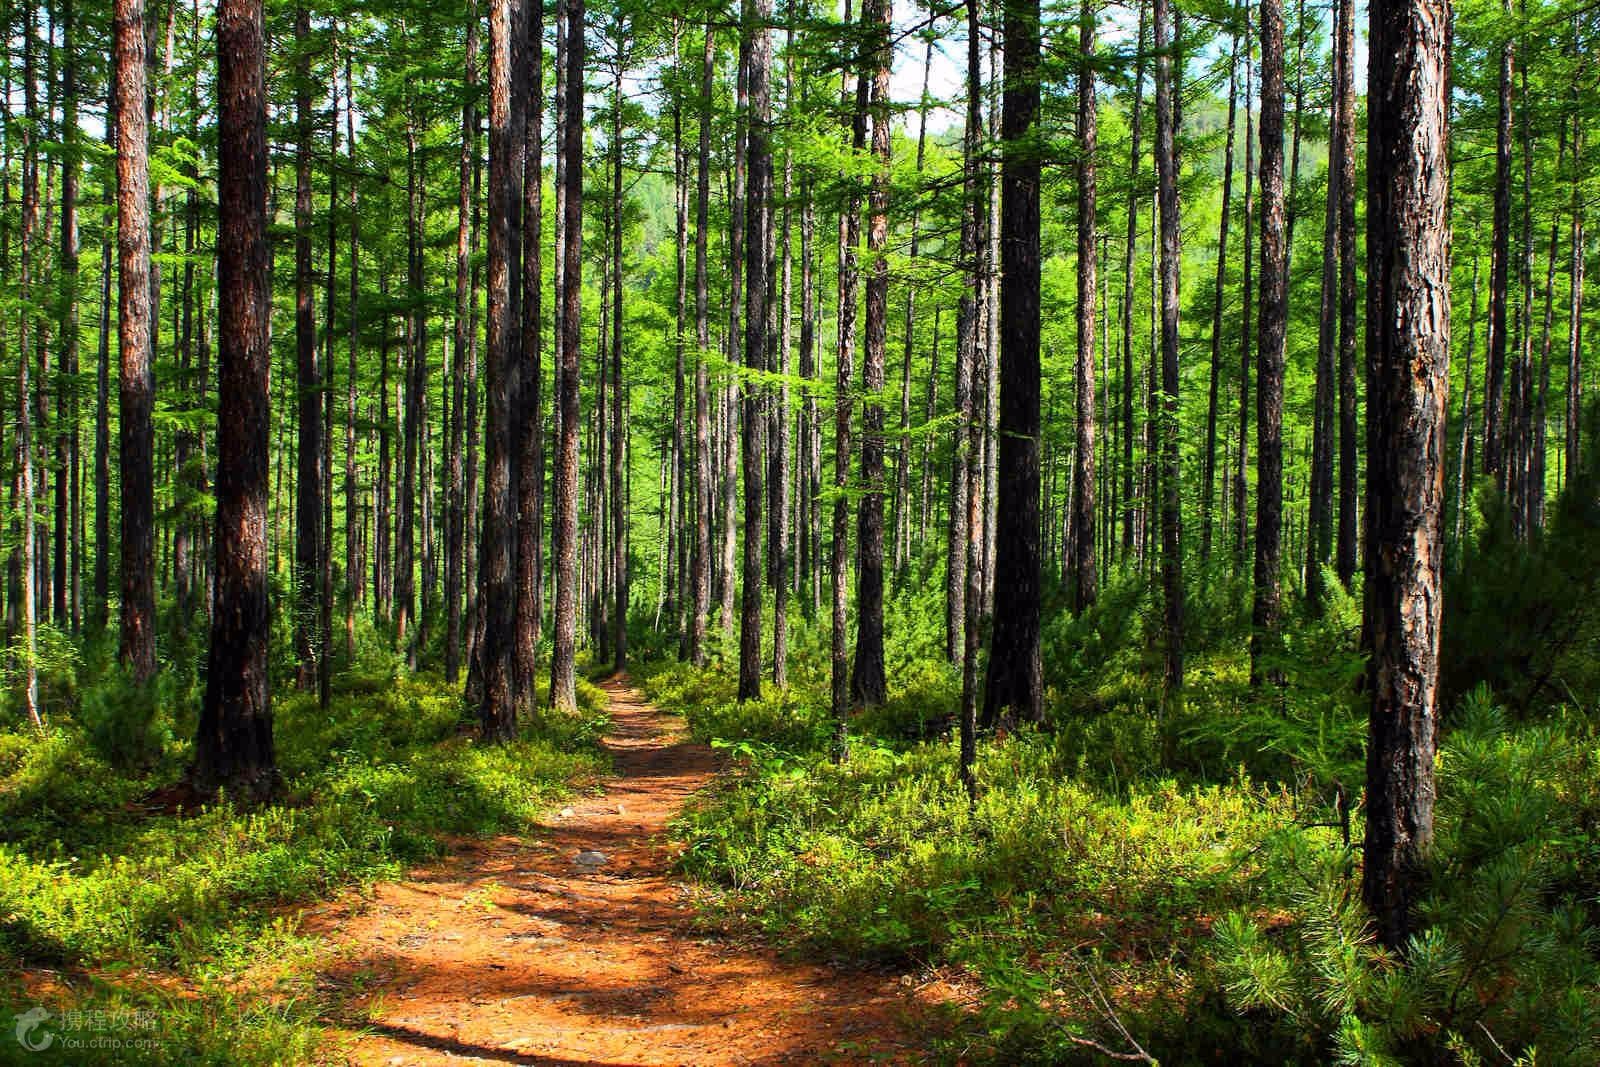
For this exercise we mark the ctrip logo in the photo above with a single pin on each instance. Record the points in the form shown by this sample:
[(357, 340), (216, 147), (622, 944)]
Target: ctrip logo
[(31, 1034)]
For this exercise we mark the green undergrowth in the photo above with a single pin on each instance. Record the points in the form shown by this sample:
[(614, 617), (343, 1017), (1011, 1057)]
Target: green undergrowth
[(1186, 886), (140, 911)]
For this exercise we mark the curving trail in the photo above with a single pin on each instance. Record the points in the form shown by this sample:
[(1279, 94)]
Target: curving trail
[(512, 951)]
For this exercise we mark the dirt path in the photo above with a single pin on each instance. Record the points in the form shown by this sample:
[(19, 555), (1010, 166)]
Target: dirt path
[(516, 952)]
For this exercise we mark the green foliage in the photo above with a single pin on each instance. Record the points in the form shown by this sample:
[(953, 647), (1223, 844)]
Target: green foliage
[(1522, 616), (1190, 884), (1505, 963), (95, 873)]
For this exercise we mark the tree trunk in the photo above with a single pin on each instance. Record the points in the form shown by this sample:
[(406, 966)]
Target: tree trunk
[(530, 413), (1241, 527), (1345, 550), (455, 536), (563, 680), (233, 748), (99, 608), (352, 519), (508, 39), (700, 558), (1494, 433), (1171, 531), (902, 487), (1575, 313), (1014, 688), (1128, 502), (844, 360), (1208, 489), (308, 477), (868, 682), (69, 487), (780, 554), (965, 498), (1319, 533), (134, 341), (1270, 347), (1408, 385), (383, 560), (619, 502), (1082, 561)]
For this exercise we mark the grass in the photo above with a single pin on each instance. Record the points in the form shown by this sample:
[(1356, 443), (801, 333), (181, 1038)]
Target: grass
[(1181, 887), (187, 922)]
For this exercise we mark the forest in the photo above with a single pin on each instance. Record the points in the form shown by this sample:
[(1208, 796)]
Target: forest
[(1004, 532)]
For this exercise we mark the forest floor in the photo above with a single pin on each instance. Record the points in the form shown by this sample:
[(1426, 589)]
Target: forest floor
[(576, 945)]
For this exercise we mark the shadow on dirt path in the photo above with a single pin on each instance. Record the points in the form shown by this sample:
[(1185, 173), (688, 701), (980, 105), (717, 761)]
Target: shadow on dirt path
[(538, 951)]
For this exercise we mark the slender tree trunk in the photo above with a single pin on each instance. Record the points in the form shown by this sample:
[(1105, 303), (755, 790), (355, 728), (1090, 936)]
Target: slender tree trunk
[(1319, 533), (1082, 558), (308, 477), (1575, 313), (844, 360), (563, 679), (737, 253), (1208, 488), (779, 551), (1463, 463), (1408, 384), (99, 609), (966, 438), (1171, 531), (677, 577), (1014, 688), (352, 512), (135, 323), (619, 501), (23, 578), (530, 413), (902, 489), (405, 577), (508, 40), (1270, 347), (233, 748), (1345, 550), (1494, 433), (965, 497), (1536, 461), (700, 558), (868, 682), (455, 537), (1128, 501), (383, 560), (69, 487)]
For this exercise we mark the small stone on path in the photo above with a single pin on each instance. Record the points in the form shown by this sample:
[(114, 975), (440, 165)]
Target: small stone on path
[(591, 859)]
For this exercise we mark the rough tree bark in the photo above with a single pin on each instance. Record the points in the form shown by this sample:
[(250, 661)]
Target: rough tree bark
[(1408, 384), (563, 679), (308, 393), (497, 569), (1208, 487), (233, 748), (1082, 561), (869, 685), (1171, 530), (1272, 324), (758, 241), (136, 378), (700, 556), (1014, 688)]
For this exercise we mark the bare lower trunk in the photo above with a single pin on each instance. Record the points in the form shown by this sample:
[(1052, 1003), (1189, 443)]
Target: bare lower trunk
[(233, 748), (134, 336), (1014, 687), (1408, 384)]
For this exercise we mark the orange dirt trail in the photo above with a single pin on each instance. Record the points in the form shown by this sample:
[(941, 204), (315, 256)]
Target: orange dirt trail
[(512, 952)]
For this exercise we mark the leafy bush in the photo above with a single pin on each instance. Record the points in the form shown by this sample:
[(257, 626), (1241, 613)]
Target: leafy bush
[(1505, 961)]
